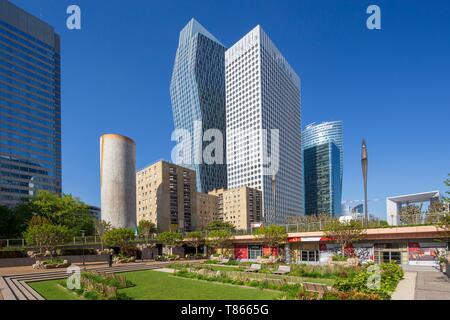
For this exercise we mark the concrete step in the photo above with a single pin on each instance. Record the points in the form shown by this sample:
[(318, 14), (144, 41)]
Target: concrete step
[(6, 291), (16, 287)]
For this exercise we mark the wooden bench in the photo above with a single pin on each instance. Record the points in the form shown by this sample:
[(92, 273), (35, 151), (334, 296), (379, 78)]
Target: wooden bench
[(318, 288), (224, 261), (282, 270), (253, 268)]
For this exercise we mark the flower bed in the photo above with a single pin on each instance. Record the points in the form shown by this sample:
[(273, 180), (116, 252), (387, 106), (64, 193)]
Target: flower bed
[(102, 286), (288, 290), (123, 259), (380, 280), (53, 263)]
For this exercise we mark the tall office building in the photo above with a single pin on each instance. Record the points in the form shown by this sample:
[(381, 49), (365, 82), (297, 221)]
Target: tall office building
[(263, 93), (198, 99), (323, 157), (30, 106)]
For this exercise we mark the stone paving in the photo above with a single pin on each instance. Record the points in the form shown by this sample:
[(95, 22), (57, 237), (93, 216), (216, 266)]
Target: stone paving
[(432, 285), (406, 288)]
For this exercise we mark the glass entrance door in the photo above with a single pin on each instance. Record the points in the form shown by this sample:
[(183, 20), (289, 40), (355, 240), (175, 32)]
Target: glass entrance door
[(254, 252), (392, 256)]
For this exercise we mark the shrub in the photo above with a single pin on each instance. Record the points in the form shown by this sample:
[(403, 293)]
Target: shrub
[(75, 251), (352, 295), (390, 275), (339, 257)]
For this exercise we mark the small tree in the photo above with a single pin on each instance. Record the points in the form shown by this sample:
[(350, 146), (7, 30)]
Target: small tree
[(273, 236), (194, 239), (410, 214), (219, 239), (118, 238), (101, 227), (47, 236), (170, 239), (146, 229), (345, 233), (220, 225)]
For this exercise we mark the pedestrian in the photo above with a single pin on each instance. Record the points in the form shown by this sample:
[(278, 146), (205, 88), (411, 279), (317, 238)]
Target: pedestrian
[(110, 260)]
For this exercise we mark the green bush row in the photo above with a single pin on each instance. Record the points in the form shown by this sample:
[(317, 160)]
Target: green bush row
[(372, 279), (289, 291)]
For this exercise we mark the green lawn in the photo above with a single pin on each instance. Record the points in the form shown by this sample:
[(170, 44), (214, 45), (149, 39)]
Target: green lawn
[(53, 290), (155, 285)]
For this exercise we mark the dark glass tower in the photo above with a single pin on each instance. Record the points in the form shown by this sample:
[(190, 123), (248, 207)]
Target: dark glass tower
[(323, 167), (198, 95), (30, 106)]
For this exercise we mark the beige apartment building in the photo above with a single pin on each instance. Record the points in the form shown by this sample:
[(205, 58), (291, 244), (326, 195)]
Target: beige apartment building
[(206, 210), (241, 206), (166, 196)]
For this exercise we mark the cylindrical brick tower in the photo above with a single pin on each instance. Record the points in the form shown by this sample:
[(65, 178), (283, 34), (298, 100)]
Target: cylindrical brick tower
[(118, 180)]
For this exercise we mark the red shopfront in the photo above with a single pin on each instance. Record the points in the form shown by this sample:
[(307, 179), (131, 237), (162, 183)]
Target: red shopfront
[(252, 251)]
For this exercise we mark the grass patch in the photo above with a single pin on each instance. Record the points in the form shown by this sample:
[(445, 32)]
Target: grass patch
[(53, 290), (155, 285)]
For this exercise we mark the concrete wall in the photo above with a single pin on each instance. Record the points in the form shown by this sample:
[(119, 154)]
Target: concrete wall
[(118, 180), (20, 262)]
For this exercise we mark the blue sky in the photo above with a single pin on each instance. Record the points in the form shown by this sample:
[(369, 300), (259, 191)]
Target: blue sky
[(390, 86)]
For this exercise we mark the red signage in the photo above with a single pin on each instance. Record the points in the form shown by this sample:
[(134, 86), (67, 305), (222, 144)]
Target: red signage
[(295, 239)]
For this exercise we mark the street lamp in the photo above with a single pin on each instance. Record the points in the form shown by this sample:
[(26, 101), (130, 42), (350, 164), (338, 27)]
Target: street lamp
[(82, 245), (365, 165)]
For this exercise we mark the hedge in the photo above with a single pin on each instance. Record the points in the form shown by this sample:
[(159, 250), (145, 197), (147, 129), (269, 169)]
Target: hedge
[(12, 253)]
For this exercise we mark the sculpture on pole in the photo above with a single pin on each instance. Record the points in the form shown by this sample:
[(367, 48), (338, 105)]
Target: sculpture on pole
[(365, 165)]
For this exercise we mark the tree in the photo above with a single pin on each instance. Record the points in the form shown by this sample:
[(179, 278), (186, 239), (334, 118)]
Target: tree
[(220, 225), (410, 214), (13, 222), (194, 239), (146, 229), (101, 227), (444, 219), (273, 235), (47, 236), (120, 237), (7, 222), (345, 233), (170, 238), (62, 210), (219, 239)]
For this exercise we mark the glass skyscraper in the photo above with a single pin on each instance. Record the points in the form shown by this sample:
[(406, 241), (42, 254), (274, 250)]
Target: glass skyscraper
[(30, 106), (323, 157), (198, 99), (263, 96)]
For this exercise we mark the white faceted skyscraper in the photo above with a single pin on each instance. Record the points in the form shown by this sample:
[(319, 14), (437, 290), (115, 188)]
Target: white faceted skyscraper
[(263, 96)]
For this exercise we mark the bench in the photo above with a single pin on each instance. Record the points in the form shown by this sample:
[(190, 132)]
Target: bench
[(253, 268), (282, 270), (318, 288), (224, 261)]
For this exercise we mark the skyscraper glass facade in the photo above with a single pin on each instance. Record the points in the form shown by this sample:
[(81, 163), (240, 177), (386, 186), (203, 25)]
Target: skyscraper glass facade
[(30, 106), (198, 99), (323, 167), (263, 96)]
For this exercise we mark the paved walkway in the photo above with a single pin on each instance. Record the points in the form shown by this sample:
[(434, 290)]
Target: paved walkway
[(432, 285), (406, 287)]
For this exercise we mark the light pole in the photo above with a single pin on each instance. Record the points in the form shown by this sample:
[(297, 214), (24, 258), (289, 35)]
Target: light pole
[(365, 165), (82, 245)]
